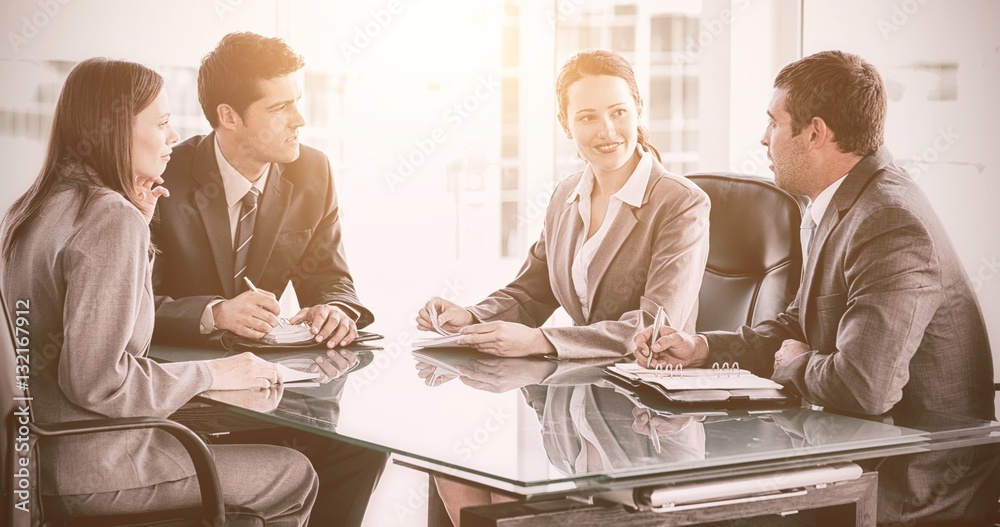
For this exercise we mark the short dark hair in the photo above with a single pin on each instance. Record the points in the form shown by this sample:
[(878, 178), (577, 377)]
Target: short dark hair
[(232, 72), (843, 90)]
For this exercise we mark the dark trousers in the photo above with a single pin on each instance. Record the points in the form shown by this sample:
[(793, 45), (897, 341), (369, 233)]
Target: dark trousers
[(347, 473)]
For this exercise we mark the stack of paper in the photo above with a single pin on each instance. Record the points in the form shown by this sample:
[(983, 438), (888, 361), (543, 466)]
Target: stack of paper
[(285, 334)]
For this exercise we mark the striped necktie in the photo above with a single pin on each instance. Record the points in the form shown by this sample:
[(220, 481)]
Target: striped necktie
[(806, 231), (244, 233)]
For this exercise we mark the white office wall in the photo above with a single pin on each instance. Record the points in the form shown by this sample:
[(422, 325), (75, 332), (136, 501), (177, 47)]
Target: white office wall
[(941, 63)]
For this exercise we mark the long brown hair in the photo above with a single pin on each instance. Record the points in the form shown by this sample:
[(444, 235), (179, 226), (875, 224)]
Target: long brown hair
[(595, 62), (91, 136)]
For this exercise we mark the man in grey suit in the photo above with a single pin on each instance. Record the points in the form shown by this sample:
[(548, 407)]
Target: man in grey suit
[(885, 320)]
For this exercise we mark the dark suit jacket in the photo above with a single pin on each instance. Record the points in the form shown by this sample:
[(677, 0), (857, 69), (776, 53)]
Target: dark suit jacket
[(653, 255), (297, 237), (894, 323)]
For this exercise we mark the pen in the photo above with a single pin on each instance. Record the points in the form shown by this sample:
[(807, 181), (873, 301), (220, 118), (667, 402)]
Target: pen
[(653, 435), (252, 287), (657, 323)]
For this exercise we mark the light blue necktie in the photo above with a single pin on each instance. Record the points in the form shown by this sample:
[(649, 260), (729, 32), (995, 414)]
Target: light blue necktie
[(806, 232)]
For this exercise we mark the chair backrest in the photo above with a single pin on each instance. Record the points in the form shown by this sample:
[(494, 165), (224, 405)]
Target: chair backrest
[(754, 260)]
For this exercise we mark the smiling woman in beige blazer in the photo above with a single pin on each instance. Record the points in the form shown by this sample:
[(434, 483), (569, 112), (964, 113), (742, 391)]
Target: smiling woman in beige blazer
[(621, 238), (76, 247)]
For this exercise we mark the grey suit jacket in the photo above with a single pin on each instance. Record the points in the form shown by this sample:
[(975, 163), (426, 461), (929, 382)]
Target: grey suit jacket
[(87, 278), (894, 325), (653, 255)]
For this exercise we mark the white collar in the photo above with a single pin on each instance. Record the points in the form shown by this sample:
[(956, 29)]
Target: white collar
[(631, 192), (235, 185), (823, 200)]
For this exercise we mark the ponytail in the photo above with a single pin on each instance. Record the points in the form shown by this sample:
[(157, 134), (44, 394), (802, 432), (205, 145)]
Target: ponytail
[(643, 140)]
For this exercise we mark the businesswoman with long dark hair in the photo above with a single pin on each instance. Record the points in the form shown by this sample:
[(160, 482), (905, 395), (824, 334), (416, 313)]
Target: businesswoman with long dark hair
[(76, 246), (621, 239)]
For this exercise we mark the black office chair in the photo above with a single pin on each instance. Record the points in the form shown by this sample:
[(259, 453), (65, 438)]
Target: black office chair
[(755, 259), (212, 511)]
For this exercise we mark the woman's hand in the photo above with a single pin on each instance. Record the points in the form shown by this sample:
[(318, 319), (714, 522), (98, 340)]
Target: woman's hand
[(149, 195), (506, 339), (433, 375), (245, 371), (451, 316), (501, 375), (256, 400)]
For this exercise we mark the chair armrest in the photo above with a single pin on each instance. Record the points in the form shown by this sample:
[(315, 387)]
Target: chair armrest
[(208, 479)]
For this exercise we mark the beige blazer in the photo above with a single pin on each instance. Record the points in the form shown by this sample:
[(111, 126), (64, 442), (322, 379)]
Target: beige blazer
[(653, 255), (87, 278)]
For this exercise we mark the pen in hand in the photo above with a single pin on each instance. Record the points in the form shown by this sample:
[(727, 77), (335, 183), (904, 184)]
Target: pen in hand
[(657, 324), (250, 285), (281, 320)]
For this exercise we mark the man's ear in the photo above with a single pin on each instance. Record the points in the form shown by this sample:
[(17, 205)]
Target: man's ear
[(819, 133), (228, 117)]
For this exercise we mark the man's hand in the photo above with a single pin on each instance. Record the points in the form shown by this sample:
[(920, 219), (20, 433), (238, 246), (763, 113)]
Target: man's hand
[(250, 315), (506, 339), (328, 323), (672, 347), (790, 349)]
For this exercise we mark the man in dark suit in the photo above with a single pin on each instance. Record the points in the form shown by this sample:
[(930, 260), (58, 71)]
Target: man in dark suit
[(885, 320), (250, 202)]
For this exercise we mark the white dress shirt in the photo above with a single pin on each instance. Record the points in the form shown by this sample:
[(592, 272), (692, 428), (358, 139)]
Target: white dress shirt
[(631, 193), (235, 186), (823, 201)]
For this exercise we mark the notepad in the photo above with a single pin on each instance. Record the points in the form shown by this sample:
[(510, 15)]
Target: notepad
[(698, 378), (285, 334), (721, 386)]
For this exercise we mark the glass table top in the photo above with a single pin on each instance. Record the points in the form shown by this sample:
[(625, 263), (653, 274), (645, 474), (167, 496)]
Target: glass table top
[(535, 426)]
